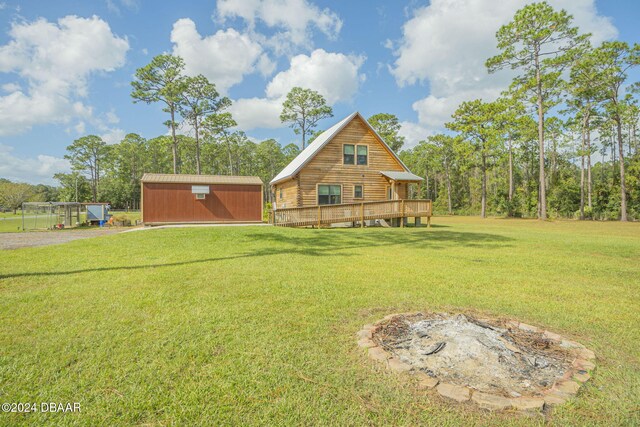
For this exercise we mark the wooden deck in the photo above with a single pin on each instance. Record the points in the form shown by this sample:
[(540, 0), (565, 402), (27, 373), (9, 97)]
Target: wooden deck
[(351, 212)]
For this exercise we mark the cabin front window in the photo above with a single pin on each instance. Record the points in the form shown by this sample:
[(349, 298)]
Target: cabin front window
[(348, 154), (357, 191), (363, 155), (280, 193), (329, 194)]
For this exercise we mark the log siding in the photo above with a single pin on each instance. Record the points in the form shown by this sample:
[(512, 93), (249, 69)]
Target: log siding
[(328, 167)]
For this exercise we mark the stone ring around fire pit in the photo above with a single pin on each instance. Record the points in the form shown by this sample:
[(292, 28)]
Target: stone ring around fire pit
[(497, 364)]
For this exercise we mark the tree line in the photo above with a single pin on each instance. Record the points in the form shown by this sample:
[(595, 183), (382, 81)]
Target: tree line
[(13, 194), (562, 141)]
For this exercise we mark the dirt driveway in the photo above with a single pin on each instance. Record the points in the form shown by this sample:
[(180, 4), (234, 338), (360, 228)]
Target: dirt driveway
[(44, 238)]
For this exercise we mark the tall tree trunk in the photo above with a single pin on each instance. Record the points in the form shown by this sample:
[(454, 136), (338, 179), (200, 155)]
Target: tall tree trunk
[(582, 154), (613, 160), (94, 186), (554, 162), (542, 194), (588, 130), (511, 183), (230, 158), (435, 186), (197, 148), (483, 209), (448, 177), (174, 148), (304, 132), (426, 177), (623, 188), (97, 181)]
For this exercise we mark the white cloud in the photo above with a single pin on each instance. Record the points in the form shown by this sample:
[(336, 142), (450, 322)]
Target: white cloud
[(413, 134), (11, 87), (79, 128), (335, 76), (113, 136), (55, 60), (33, 170), (133, 5), (434, 111), (224, 57), (253, 113), (447, 43), (294, 19), (113, 7), (112, 117)]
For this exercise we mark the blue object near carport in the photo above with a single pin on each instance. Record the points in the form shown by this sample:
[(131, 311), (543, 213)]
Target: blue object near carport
[(98, 213)]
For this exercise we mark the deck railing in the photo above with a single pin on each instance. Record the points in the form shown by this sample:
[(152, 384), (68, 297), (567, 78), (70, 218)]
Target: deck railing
[(350, 212)]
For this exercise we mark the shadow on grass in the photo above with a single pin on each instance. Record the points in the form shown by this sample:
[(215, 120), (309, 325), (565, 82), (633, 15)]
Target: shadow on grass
[(320, 243)]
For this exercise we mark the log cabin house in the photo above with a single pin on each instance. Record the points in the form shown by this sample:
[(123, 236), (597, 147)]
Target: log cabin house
[(349, 164)]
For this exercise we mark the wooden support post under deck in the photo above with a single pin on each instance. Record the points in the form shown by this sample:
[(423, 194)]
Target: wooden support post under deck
[(362, 215), (319, 217), (402, 213)]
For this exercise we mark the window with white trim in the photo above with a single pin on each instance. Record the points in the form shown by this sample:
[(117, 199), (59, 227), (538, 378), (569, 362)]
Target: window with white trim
[(358, 191), (348, 154), (363, 155), (329, 194)]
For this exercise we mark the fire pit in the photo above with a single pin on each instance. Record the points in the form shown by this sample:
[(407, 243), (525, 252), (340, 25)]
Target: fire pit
[(498, 364)]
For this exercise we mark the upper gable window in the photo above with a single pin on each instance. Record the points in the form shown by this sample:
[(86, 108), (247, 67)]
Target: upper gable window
[(348, 154), (363, 155), (355, 154)]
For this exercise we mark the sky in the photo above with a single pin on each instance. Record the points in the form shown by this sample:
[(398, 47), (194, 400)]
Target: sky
[(66, 66)]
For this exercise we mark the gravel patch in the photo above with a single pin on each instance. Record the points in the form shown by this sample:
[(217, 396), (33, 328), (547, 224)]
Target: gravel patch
[(45, 238)]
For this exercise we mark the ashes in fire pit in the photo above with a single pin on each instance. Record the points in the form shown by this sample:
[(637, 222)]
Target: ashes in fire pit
[(498, 364)]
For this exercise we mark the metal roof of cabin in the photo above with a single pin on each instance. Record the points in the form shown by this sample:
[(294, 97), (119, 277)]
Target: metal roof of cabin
[(164, 178), (323, 139), (401, 176)]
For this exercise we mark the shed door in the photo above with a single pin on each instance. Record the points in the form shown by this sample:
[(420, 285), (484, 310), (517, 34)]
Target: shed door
[(236, 202)]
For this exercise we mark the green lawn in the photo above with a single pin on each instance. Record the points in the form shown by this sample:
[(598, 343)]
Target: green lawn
[(10, 224), (256, 325), (9, 214)]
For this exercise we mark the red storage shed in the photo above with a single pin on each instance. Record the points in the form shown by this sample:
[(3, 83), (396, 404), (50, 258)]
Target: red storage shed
[(168, 198)]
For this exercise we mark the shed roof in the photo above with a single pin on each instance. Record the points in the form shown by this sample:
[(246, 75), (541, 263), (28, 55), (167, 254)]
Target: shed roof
[(401, 176), (323, 139), (164, 178)]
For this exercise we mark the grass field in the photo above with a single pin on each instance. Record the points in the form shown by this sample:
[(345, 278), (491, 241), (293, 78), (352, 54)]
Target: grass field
[(9, 214), (256, 325)]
